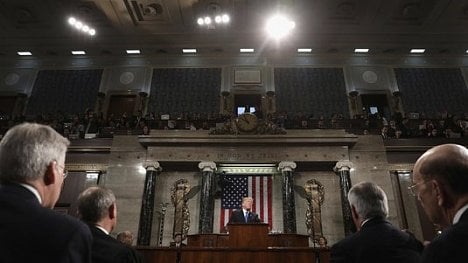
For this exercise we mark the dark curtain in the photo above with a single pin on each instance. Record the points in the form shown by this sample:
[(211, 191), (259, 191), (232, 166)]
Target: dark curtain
[(68, 91), (194, 90), (312, 91), (432, 90)]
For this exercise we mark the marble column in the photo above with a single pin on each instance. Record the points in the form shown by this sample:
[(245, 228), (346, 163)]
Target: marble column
[(289, 204), (147, 205), (342, 169), (207, 192)]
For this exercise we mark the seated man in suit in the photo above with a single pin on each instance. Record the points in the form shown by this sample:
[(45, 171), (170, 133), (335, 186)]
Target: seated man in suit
[(376, 239), (440, 182), (97, 207), (177, 241), (32, 172), (244, 215)]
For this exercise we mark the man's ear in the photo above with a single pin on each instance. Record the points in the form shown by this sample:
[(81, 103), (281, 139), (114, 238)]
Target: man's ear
[(50, 175), (355, 216), (112, 211), (441, 193)]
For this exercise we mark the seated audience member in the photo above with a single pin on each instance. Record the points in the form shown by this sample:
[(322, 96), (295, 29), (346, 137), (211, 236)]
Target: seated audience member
[(125, 237), (244, 215), (376, 239), (177, 241), (97, 207), (32, 172), (322, 242), (440, 183)]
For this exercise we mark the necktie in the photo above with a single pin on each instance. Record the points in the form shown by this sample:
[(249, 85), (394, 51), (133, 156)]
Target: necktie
[(246, 217)]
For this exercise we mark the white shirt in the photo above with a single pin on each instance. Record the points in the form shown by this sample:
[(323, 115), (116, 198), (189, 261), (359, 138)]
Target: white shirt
[(34, 191), (102, 229), (459, 213)]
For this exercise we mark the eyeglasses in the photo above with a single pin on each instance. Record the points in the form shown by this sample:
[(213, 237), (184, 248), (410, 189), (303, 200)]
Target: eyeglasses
[(412, 189), (65, 171)]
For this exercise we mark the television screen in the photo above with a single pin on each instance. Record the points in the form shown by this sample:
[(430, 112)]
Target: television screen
[(240, 110)]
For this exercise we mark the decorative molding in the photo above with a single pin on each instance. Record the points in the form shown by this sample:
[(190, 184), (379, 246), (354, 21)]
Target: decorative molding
[(343, 165), (207, 166), (286, 166)]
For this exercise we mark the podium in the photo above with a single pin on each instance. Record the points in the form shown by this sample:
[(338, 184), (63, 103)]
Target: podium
[(248, 235)]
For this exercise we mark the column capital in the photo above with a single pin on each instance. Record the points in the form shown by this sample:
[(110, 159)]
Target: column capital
[(155, 166), (343, 165), (286, 166), (207, 166)]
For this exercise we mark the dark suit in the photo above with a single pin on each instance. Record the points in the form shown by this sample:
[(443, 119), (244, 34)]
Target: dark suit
[(32, 233), (237, 216), (450, 246), (107, 249), (377, 241)]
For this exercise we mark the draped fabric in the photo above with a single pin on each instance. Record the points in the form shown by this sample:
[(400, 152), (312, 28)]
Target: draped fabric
[(68, 91), (312, 91), (177, 90), (432, 90), (239, 186)]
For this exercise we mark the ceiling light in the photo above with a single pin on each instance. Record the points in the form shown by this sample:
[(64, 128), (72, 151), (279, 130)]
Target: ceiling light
[(189, 50), (78, 52), (304, 50), (85, 28), (71, 20), (78, 25), (218, 19), (24, 53), (247, 50), (200, 21), (279, 26), (417, 50), (361, 50), (225, 18), (207, 20), (92, 32), (133, 51)]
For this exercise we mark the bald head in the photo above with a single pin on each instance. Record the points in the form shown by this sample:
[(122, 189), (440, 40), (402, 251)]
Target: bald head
[(448, 164)]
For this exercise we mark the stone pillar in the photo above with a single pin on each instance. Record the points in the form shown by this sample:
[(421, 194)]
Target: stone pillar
[(342, 169), (289, 204), (207, 197), (147, 205)]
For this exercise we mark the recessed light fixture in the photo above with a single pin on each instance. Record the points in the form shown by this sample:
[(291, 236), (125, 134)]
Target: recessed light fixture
[(133, 51), (247, 50), (24, 53), (466, 51), (304, 50), (361, 50), (417, 50), (278, 26), (78, 52), (189, 50)]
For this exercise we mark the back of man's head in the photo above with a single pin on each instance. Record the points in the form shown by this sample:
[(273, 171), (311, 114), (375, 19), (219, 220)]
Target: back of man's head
[(27, 150), (447, 163), (94, 204), (369, 200)]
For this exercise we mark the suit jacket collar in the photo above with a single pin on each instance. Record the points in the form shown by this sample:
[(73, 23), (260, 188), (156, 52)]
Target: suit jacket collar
[(374, 221), (20, 192)]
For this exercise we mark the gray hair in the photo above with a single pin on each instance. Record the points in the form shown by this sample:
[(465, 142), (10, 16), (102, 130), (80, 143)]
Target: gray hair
[(26, 151), (94, 204), (369, 200)]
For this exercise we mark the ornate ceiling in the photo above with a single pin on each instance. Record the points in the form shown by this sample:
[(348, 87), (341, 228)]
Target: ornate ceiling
[(163, 27)]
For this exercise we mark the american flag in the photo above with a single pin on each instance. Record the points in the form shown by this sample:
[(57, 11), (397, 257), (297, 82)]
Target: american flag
[(239, 186)]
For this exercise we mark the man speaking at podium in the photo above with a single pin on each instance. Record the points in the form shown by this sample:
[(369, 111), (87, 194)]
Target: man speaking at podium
[(245, 215)]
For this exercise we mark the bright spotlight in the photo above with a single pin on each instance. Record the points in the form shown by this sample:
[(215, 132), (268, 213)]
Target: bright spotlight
[(85, 28), (200, 21), (92, 32), (279, 26), (218, 19), (207, 20), (78, 25), (225, 18), (71, 20)]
